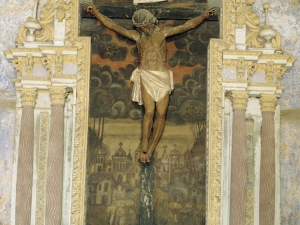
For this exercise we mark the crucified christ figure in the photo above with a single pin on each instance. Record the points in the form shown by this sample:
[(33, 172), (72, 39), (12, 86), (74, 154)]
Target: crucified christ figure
[(153, 81)]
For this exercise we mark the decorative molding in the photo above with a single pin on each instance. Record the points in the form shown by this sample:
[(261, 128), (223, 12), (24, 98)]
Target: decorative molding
[(253, 39), (239, 99), (81, 132), (72, 18), (214, 155), (229, 24), (58, 95), (268, 103), (28, 96), (251, 69), (269, 72), (29, 66), (42, 165), (47, 62), (59, 63), (60, 11), (240, 69), (19, 64)]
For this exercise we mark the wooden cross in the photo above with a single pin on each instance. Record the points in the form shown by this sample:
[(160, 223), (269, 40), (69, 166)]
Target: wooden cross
[(173, 11)]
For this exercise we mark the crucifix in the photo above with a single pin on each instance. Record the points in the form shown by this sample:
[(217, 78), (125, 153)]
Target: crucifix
[(152, 79)]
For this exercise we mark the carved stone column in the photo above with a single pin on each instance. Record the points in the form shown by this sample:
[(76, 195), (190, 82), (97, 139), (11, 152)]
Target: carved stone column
[(54, 180), (238, 187), (267, 165), (25, 158)]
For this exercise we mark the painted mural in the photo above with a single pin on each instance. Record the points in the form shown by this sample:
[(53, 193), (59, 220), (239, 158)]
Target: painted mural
[(115, 129)]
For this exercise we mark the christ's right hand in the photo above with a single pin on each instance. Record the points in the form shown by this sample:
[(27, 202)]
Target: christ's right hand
[(90, 8)]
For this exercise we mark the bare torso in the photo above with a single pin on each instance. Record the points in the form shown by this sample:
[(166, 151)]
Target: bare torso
[(152, 51)]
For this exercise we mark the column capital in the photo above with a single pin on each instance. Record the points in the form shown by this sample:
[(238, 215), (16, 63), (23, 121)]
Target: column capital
[(268, 102), (58, 95), (239, 99), (28, 96)]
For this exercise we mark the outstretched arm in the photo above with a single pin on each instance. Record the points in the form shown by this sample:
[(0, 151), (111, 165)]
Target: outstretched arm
[(109, 23), (190, 24)]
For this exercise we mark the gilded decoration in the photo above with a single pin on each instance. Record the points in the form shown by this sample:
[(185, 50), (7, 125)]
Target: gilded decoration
[(29, 66), (19, 64), (28, 96), (81, 129), (72, 17), (46, 34), (229, 24), (60, 11), (239, 99), (251, 69), (58, 95), (268, 103), (252, 38), (42, 165), (214, 156), (47, 62), (240, 69), (59, 64)]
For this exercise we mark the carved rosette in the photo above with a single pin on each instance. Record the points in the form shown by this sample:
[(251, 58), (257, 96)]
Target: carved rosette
[(268, 103), (58, 95), (28, 96), (239, 99)]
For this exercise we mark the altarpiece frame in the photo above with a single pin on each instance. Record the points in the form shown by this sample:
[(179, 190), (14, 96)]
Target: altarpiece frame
[(61, 21)]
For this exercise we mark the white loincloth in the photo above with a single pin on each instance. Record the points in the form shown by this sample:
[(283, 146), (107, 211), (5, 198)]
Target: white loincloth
[(158, 84)]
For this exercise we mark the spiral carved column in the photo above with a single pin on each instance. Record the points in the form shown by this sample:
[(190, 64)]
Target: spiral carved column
[(25, 158), (238, 187), (55, 159), (267, 166)]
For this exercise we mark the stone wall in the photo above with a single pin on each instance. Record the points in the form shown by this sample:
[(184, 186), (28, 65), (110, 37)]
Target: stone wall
[(283, 17)]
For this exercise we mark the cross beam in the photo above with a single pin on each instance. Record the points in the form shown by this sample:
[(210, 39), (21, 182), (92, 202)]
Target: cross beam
[(160, 11)]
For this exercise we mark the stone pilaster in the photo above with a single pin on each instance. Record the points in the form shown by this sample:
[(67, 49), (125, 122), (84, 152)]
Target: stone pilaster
[(267, 166), (54, 182), (25, 158), (238, 187)]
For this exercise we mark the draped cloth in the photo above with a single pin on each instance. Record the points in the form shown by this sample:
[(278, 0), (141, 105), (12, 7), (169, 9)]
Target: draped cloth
[(157, 84)]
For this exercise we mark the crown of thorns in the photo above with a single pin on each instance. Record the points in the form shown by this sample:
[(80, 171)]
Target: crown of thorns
[(142, 17)]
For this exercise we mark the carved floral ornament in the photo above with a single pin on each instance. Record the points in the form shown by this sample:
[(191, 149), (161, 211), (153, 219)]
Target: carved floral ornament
[(244, 15), (28, 96), (239, 99), (268, 103), (58, 95)]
